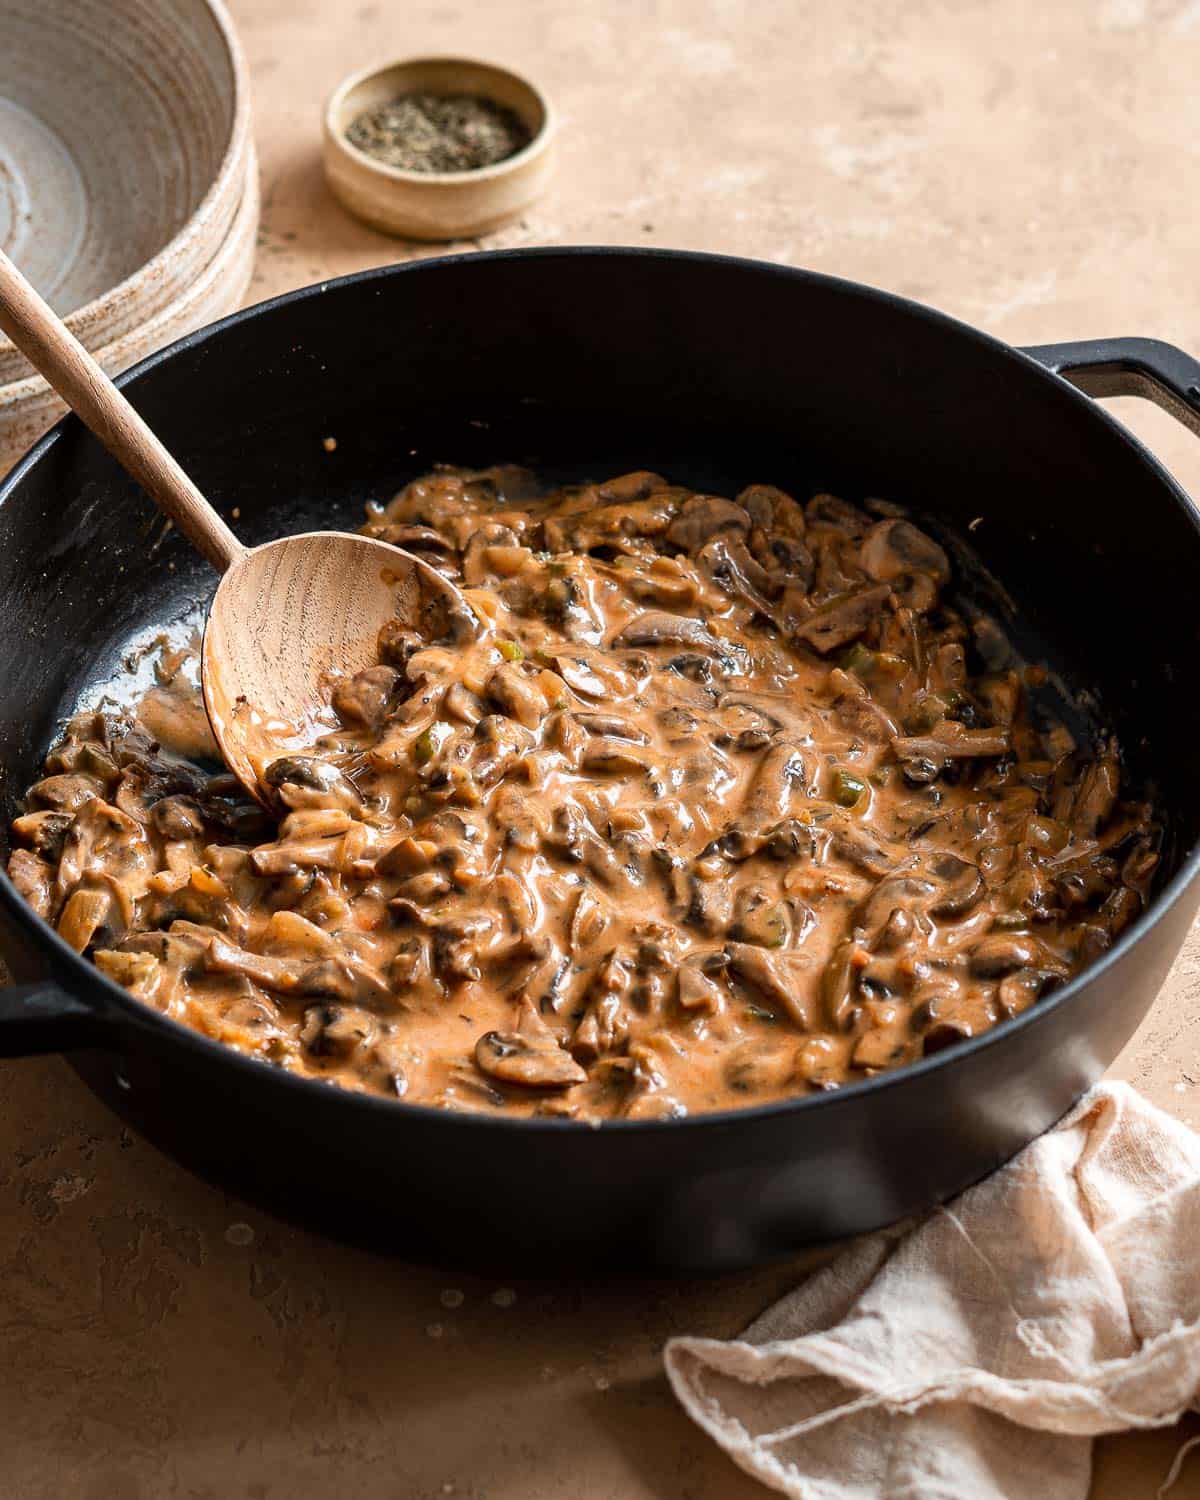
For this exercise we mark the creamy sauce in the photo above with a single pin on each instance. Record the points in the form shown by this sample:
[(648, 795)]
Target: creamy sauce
[(725, 802)]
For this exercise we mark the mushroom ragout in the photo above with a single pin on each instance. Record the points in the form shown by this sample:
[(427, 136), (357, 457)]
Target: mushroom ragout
[(730, 800)]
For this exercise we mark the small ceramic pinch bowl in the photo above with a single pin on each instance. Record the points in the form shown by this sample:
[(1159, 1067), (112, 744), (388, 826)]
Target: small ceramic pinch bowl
[(437, 205)]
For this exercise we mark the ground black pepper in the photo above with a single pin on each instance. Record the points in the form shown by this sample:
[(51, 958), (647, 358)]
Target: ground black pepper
[(424, 132)]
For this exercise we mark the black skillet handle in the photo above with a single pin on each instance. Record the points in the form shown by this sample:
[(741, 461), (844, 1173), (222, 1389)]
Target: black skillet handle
[(1129, 367), (44, 1018)]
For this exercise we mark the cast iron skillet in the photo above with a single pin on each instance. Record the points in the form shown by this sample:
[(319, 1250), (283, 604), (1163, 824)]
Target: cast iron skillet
[(586, 362)]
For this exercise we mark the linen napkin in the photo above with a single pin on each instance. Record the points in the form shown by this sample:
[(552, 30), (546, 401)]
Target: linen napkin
[(977, 1355)]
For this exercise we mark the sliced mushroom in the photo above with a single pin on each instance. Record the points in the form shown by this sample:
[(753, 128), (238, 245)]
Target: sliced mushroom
[(946, 1033), (529, 1056), (635, 485), (139, 973), (673, 591), (1096, 796), (518, 900), (105, 844), (398, 644), (573, 837), (858, 848), (658, 628), (518, 695), (457, 941), (178, 818), (763, 917), (960, 882), (44, 831), (1002, 953), (589, 921), (611, 726), (511, 484), (790, 842), (184, 947), (697, 990), (567, 735), (781, 776), (416, 538), (605, 754), (743, 727), (1018, 991), (1119, 909), (842, 515), (425, 888), (906, 892), (948, 740), (894, 548), (532, 1063), (519, 822), (85, 914), (613, 524), (1140, 864), (773, 509), (65, 793), (776, 538), (274, 973), (337, 1030), (843, 619), (728, 563), (751, 1067), (475, 566), (839, 982), (859, 712), (605, 1029), (430, 500), (709, 907), (364, 698), (288, 857), (881, 1047), (784, 558), (786, 980), (820, 1062), (462, 704), (579, 675), (705, 516), (999, 696), (896, 930), (306, 781), (501, 742), (652, 1103)]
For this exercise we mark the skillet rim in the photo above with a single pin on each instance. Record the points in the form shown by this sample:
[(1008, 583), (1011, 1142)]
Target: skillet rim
[(139, 1017)]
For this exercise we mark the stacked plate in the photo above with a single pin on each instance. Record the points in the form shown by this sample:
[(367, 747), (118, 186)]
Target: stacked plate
[(128, 183)]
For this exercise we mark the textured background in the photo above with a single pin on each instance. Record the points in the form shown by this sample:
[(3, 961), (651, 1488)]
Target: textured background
[(1029, 167)]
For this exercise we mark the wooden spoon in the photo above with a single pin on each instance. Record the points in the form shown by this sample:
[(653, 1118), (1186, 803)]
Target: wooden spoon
[(288, 618)]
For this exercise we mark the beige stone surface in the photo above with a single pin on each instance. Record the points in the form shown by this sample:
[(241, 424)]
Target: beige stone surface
[(1027, 166)]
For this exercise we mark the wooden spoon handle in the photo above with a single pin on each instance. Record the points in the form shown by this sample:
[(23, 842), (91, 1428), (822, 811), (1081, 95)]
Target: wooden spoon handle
[(56, 353)]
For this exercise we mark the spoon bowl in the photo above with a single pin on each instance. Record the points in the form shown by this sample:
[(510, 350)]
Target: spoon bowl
[(293, 617)]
